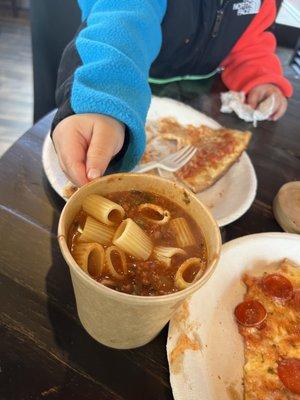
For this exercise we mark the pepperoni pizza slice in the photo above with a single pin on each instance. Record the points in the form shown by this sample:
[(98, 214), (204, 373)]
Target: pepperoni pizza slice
[(269, 321)]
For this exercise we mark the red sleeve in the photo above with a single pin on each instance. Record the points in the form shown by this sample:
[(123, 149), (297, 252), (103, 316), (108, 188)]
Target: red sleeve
[(253, 61)]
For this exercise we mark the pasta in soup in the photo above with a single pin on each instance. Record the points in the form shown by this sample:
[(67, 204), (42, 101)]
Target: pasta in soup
[(137, 243)]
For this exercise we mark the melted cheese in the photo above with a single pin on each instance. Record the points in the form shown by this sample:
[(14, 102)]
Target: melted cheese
[(217, 149)]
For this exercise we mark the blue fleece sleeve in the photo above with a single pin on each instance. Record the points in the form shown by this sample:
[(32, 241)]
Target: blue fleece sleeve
[(117, 47)]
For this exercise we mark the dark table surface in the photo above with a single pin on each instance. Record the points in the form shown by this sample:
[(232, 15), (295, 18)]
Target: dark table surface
[(44, 351)]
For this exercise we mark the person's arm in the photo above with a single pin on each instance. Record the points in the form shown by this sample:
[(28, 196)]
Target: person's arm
[(253, 62), (105, 72)]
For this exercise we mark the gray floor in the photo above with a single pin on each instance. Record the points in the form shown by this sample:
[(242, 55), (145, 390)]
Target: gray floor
[(16, 90)]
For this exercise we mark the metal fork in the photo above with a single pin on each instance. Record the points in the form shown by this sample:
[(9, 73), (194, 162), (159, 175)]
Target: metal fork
[(172, 162)]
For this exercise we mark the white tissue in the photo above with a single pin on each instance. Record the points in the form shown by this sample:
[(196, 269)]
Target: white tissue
[(235, 101)]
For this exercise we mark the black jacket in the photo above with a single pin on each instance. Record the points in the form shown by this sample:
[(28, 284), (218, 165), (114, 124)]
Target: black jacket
[(199, 34)]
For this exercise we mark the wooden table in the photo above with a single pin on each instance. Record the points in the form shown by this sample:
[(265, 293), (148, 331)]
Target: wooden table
[(44, 351)]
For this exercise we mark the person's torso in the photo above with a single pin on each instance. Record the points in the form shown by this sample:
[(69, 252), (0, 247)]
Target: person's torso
[(199, 34)]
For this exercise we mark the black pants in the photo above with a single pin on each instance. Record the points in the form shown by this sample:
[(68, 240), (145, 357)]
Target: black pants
[(53, 25)]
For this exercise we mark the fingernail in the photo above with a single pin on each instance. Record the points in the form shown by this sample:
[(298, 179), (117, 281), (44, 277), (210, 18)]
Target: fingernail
[(93, 173)]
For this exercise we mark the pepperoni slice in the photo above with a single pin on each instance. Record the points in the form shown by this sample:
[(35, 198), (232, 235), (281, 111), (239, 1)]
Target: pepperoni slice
[(277, 286), (250, 313), (289, 373)]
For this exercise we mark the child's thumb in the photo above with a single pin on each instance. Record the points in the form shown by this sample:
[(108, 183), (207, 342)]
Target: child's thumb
[(253, 99), (100, 152)]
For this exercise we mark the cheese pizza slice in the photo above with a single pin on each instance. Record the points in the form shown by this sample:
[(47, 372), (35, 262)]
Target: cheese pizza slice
[(269, 321), (217, 150)]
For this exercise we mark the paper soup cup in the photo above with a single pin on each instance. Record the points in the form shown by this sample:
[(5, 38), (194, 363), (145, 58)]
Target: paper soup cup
[(121, 320)]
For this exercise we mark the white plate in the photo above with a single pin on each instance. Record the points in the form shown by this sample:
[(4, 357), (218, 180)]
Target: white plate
[(228, 199), (215, 371)]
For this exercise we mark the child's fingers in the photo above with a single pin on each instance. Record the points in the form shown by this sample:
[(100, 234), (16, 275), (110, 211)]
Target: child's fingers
[(262, 92), (71, 155), (254, 98), (101, 150), (85, 145), (280, 110), (259, 94), (106, 141), (75, 170)]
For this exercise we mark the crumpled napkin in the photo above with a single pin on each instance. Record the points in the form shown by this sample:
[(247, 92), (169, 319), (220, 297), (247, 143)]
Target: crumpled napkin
[(235, 101)]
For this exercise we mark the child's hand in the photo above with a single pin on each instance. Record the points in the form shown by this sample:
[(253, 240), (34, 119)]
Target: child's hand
[(85, 144), (262, 92)]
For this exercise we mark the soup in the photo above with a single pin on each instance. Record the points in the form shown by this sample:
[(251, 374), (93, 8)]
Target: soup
[(137, 243)]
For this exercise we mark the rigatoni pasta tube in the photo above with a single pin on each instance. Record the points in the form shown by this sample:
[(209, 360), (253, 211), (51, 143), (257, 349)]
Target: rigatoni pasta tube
[(133, 240), (102, 209), (95, 231), (191, 268), (154, 213), (164, 254), (117, 268), (182, 231), (90, 257)]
